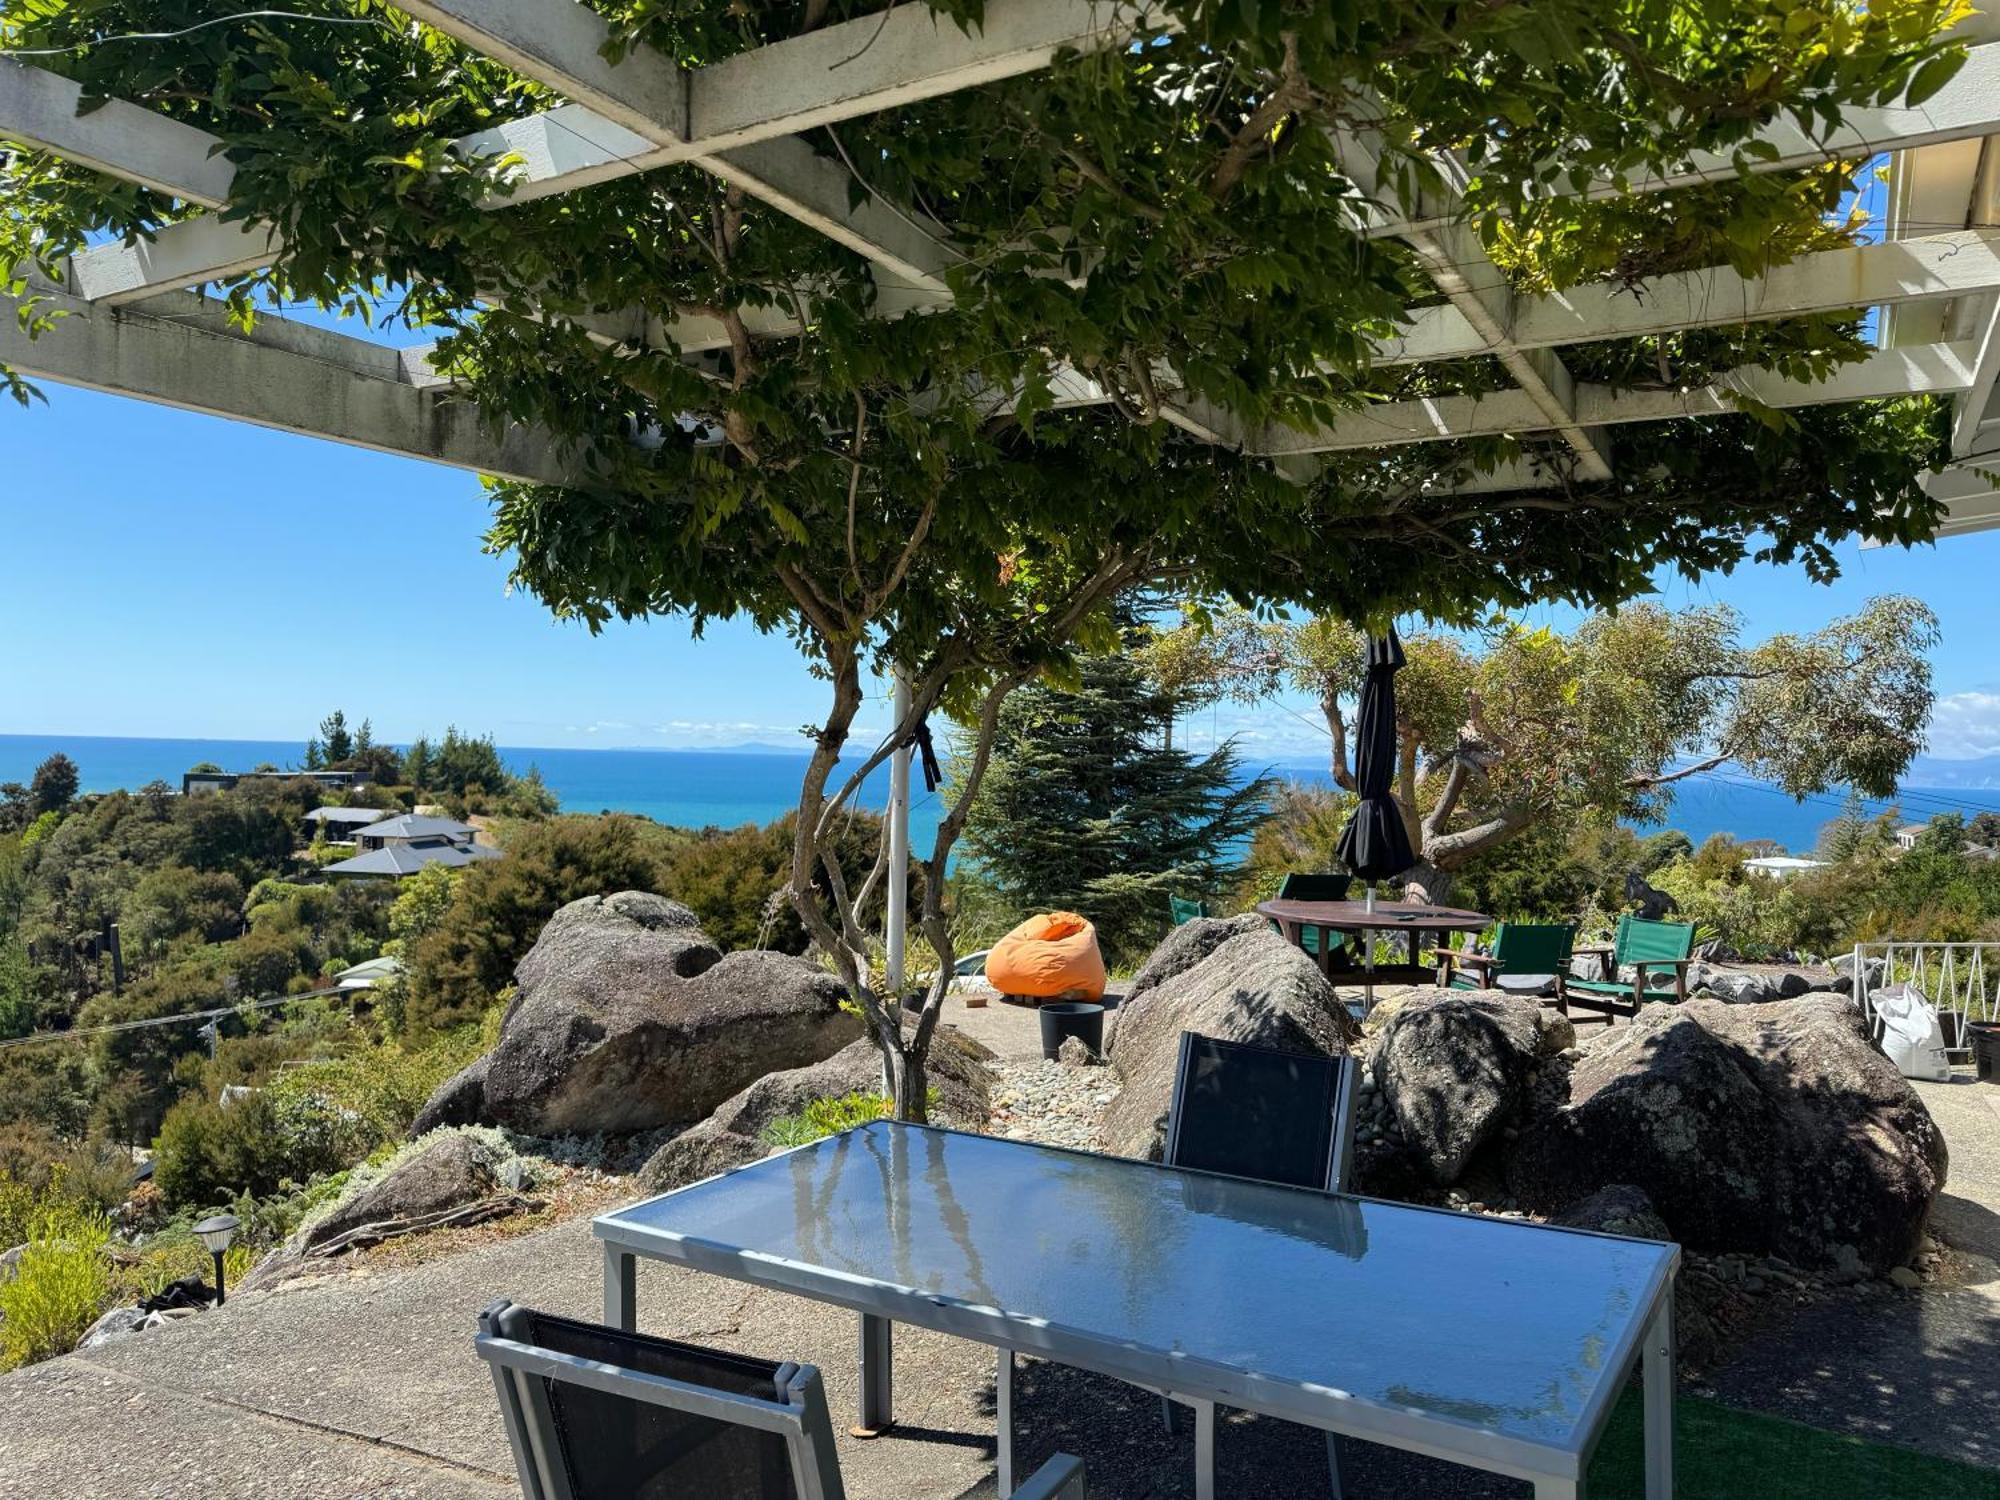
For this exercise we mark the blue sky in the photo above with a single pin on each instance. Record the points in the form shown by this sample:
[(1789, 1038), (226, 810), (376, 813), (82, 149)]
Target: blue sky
[(176, 575)]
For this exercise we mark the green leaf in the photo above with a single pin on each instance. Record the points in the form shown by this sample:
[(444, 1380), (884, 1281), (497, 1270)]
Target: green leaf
[(1933, 76)]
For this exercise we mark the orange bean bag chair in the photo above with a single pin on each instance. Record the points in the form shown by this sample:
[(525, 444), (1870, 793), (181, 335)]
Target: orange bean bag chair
[(1048, 957)]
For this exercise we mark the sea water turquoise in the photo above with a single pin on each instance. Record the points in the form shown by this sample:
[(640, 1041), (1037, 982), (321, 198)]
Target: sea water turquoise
[(723, 788)]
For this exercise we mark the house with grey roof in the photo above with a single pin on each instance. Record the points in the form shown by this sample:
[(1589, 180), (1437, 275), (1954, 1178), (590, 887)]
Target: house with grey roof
[(338, 823), (398, 847), (396, 861), (409, 827)]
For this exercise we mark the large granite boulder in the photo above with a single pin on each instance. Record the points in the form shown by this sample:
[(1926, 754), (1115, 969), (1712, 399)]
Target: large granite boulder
[(459, 1100), (1251, 986), (1772, 1129), (1617, 1209), (734, 1135), (1455, 1066), (625, 1018), (1873, 971), (1187, 945), (455, 1169)]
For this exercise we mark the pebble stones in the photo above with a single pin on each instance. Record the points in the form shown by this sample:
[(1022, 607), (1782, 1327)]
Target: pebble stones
[(1052, 1103)]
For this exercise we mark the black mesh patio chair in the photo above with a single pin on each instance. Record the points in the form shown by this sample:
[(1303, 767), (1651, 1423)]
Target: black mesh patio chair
[(1268, 1115), (1254, 1112), (1257, 1112), (596, 1414)]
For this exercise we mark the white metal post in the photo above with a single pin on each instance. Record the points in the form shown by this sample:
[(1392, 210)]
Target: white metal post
[(898, 920)]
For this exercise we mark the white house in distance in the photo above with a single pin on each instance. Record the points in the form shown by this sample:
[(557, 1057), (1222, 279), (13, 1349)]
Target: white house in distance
[(395, 847), (1781, 866), (1907, 836)]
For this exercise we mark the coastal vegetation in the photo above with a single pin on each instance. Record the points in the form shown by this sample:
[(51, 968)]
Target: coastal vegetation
[(166, 964)]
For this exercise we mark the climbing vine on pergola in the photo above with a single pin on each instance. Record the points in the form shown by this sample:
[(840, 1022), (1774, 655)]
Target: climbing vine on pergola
[(920, 332)]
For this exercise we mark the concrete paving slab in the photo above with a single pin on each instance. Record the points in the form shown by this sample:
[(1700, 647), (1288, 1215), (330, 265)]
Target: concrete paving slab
[(77, 1430)]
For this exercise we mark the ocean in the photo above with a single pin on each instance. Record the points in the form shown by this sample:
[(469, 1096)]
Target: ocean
[(725, 788)]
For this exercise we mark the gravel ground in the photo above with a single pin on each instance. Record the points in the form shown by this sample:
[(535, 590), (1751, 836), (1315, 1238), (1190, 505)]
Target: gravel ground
[(1054, 1103)]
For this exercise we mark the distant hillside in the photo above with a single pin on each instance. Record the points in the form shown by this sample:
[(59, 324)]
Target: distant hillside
[(1961, 775)]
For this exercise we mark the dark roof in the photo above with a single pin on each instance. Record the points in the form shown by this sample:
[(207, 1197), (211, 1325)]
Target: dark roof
[(415, 826), (398, 860), (347, 815)]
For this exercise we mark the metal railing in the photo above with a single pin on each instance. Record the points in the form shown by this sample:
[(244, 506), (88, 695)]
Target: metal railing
[(1958, 979)]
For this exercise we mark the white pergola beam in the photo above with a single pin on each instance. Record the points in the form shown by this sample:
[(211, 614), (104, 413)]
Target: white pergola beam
[(563, 44), (1917, 370), (892, 59), (1964, 109), (182, 351), (180, 255), (1951, 264), (1973, 418), (40, 109), (813, 189), (1460, 268)]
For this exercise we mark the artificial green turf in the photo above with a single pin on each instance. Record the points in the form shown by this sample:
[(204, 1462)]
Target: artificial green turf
[(1723, 1454)]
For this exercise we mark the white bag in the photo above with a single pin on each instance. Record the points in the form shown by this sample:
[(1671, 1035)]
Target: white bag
[(1911, 1037)]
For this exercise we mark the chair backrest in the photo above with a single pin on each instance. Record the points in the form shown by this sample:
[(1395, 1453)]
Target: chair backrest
[(1639, 939), (1533, 947), (1285, 1117), (1299, 886), (1186, 911), (593, 1413)]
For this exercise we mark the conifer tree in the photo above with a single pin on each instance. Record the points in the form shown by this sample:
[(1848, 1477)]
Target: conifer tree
[(1087, 807)]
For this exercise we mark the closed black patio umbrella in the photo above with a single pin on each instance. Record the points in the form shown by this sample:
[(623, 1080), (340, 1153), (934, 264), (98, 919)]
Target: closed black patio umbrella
[(1375, 845)]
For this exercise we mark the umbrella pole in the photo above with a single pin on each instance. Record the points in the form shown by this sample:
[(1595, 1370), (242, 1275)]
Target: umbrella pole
[(1368, 957)]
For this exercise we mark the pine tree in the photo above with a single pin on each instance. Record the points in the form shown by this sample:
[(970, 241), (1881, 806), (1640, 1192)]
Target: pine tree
[(1087, 808), (337, 742), (53, 787)]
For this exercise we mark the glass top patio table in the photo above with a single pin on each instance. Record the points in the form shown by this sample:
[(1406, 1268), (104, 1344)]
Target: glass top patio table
[(1360, 1315)]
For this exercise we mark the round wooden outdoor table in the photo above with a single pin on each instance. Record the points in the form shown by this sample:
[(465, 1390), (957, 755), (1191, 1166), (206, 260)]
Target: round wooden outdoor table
[(1419, 920)]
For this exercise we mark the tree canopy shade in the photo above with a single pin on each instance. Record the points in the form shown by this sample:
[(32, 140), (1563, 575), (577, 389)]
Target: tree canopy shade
[(921, 334)]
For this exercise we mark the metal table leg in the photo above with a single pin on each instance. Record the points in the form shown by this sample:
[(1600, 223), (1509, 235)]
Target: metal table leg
[(621, 1287), (1204, 1450), (1559, 1489), (1657, 1363), (1334, 1486), (1003, 1404), (878, 1380)]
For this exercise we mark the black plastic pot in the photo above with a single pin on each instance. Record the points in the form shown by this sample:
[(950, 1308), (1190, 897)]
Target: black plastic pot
[(1071, 1018), (1985, 1049)]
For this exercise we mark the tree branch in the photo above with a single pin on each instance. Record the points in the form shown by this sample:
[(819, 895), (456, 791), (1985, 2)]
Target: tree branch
[(1290, 91)]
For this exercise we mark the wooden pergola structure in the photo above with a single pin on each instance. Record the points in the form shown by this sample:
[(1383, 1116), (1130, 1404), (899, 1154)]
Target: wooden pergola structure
[(133, 327)]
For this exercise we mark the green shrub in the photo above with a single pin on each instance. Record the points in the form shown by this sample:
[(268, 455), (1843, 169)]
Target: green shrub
[(736, 879), (373, 1095), (92, 1172), (208, 1152), (59, 1287), (824, 1117)]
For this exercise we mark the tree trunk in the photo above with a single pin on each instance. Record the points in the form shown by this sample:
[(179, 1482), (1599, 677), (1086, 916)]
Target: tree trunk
[(910, 1095), (1427, 883)]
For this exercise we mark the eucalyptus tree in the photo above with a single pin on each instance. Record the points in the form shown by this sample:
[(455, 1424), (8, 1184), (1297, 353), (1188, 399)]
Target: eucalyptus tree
[(1528, 727), (1215, 226)]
